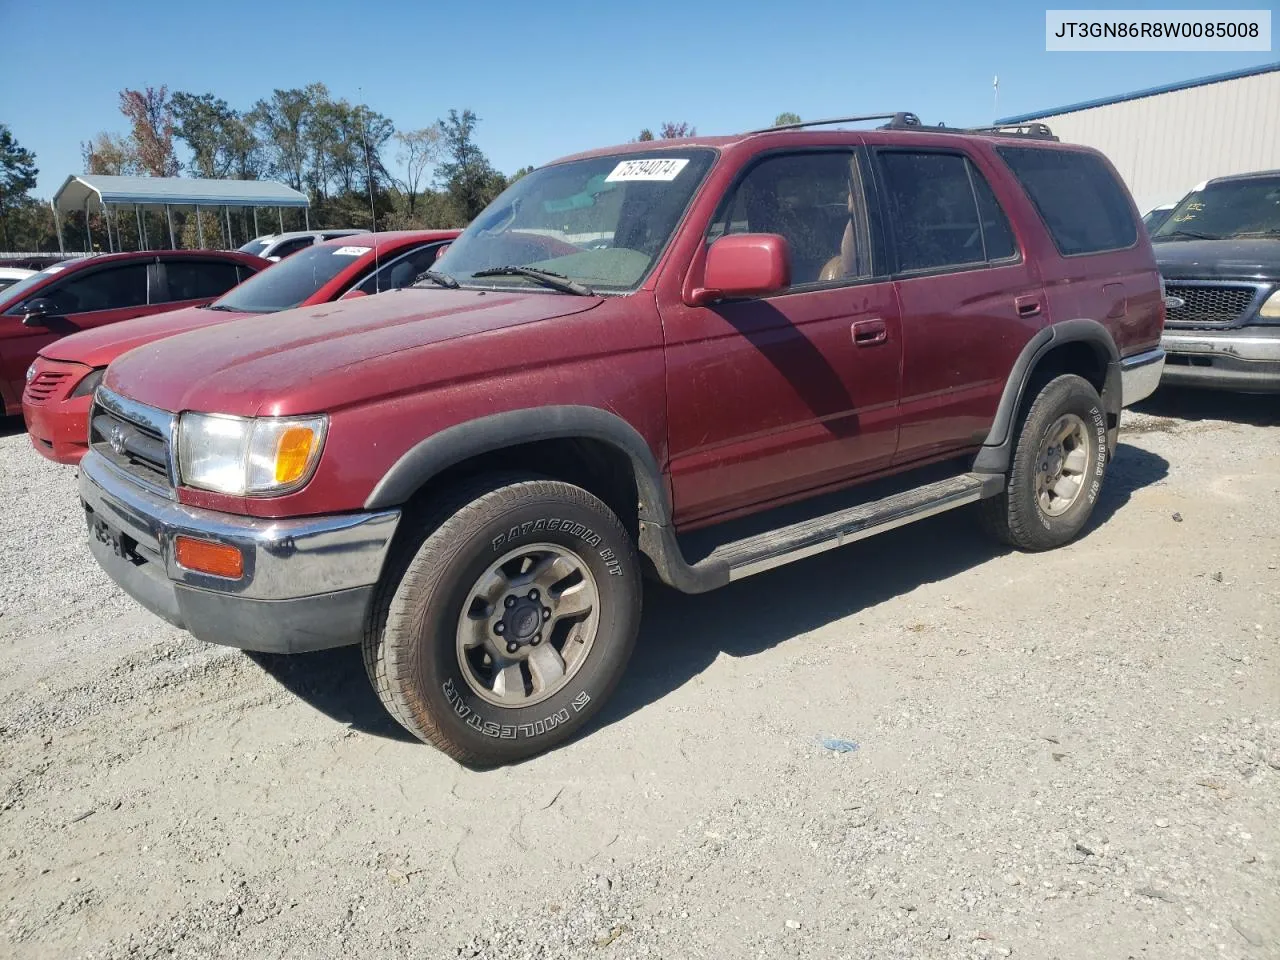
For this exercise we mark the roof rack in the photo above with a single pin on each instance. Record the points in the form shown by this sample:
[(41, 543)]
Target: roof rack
[(823, 123), (1031, 131), (902, 120)]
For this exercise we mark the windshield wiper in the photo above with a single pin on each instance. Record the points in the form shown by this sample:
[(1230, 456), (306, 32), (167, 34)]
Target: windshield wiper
[(1269, 232), (1186, 233), (556, 281), (216, 306), (439, 279)]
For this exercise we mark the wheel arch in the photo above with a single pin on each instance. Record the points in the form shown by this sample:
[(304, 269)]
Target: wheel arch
[(567, 441), (1082, 346)]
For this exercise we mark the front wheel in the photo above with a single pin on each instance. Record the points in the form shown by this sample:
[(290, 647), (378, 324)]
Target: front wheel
[(1057, 469), (505, 623)]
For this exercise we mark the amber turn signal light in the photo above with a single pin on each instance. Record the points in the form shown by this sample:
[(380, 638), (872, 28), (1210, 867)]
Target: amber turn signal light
[(215, 559)]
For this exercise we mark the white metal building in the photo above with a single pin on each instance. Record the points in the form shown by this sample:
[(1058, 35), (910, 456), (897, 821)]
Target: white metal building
[(1167, 139)]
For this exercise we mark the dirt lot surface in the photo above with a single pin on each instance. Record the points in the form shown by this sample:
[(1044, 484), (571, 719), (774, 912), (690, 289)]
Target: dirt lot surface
[(1066, 755)]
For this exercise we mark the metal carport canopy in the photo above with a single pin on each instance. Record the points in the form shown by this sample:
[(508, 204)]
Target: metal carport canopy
[(85, 191)]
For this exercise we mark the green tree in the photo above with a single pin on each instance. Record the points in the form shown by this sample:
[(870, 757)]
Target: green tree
[(466, 174), (416, 150), (18, 174), (645, 136), (674, 131), (281, 124), (221, 140), (785, 118)]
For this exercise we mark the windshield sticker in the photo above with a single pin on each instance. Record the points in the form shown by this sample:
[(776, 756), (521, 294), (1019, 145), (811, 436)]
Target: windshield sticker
[(351, 251), (667, 170)]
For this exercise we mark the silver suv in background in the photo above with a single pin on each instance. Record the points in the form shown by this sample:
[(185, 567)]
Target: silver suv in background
[(277, 246), (1219, 255)]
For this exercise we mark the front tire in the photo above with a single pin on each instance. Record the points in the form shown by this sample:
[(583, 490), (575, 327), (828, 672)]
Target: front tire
[(1057, 470), (506, 622)]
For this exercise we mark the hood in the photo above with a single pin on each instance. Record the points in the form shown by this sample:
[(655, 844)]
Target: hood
[(99, 346), (1249, 258), (303, 360)]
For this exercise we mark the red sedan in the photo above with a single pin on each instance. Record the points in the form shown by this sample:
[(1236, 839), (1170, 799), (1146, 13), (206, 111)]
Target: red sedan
[(60, 384), (88, 293)]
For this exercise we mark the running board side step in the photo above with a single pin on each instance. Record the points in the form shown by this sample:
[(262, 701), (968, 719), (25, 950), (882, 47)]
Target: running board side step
[(774, 548)]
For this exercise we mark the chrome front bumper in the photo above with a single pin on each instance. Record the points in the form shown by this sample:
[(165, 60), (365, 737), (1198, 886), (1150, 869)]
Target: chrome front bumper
[(307, 583), (1244, 358), (1140, 375)]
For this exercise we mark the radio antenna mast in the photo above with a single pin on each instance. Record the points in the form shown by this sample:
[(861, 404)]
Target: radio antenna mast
[(368, 167)]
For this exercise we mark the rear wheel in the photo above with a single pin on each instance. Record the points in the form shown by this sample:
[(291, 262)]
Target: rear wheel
[(1057, 469), (507, 621)]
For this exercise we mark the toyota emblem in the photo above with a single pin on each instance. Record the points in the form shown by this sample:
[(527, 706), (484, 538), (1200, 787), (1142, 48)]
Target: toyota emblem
[(116, 438)]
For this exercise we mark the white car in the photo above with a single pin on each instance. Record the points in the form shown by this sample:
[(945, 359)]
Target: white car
[(277, 246), (11, 275)]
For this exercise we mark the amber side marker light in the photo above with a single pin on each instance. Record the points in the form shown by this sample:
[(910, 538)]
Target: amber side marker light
[(215, 559)]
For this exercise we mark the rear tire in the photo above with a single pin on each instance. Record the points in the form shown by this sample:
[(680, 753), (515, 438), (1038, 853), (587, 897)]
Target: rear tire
[(506, 620), (1057, 469)]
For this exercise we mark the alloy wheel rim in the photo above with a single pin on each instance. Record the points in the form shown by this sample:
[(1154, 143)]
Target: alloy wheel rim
[(1062, 464), (527, 625)]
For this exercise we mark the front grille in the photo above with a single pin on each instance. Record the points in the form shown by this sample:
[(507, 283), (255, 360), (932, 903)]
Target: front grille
[(1204, 305), (133, 437), (43, 386)]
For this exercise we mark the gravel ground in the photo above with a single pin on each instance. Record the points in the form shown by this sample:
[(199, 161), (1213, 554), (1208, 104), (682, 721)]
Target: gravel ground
[(1067, 755)]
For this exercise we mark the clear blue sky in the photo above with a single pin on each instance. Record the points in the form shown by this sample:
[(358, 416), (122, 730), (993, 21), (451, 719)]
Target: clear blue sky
[(552, 78)]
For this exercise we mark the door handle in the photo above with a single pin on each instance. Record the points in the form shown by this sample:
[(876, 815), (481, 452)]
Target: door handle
[(1027, 306), (868, 333)]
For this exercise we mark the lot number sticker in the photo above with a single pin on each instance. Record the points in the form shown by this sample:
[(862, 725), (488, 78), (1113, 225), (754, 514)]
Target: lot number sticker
[(351, 251), (667, 169)]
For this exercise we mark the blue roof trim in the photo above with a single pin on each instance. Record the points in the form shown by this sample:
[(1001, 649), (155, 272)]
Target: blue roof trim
[(1152, 92)]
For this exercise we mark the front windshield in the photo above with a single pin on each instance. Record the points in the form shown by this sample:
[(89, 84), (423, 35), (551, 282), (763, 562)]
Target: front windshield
[(291, 281), (256, 247), (601, 222), (1233, 208)]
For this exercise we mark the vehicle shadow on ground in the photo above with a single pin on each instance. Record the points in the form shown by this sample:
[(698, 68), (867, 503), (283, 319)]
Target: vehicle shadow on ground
[(11, 426), (335, 683), (681, 635), (1254, 409)]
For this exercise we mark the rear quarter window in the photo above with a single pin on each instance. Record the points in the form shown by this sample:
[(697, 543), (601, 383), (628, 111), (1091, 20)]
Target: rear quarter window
[(1085, 208)]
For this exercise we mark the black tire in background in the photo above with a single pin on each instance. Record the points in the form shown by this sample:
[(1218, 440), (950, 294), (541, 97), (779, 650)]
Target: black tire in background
[(412, 649), (1018, 516)]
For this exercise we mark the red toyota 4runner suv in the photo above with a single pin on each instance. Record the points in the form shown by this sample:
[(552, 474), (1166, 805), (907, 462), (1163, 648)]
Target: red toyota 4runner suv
[(698, 359)]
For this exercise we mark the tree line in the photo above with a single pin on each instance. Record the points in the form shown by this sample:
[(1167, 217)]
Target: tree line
[(358, 169)]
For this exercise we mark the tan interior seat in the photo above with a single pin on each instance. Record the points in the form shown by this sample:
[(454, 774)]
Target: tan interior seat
[(845, 263)]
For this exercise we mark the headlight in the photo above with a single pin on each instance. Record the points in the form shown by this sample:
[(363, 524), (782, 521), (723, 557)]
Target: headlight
[(248, 457), (89, 384), (31, 373), (1271, 309)]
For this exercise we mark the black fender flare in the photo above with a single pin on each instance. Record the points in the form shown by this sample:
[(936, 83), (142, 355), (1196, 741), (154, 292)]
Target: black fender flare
[(461, 442), (997, 448)]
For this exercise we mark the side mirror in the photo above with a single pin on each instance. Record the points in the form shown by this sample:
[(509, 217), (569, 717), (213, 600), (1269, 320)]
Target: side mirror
[(37, 312), (744, 265)]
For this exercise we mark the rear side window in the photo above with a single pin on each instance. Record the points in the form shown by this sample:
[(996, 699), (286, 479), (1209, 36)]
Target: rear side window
[(401, 272), (109, 289), (1083, 205), (199, 280), (942, 213), (290, 247)]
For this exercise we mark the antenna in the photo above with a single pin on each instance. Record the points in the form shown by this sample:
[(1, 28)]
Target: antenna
[(995, 86), (373, 210)]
